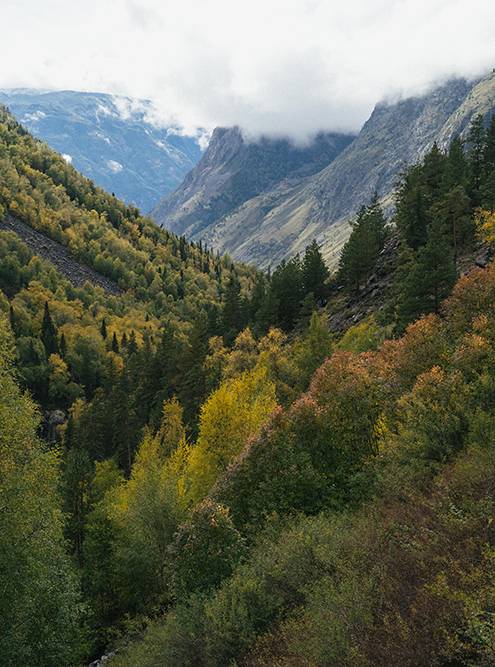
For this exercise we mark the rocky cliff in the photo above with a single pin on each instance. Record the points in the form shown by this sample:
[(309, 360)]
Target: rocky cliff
[(234, 170), (286, 215)]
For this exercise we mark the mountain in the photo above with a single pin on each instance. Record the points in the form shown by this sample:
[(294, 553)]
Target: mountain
[(283, 218), (112, 140), (233, 170)]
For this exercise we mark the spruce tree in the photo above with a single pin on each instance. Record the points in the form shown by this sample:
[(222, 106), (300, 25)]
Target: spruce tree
[(360, 253), (456, 166), (132, 347), (103, 329), (115, 343), (411, 211), (314, 271), (231, 312), (429, 278), (287, 288), (488, 173), (49, 333), (62, 345), (476, 147)]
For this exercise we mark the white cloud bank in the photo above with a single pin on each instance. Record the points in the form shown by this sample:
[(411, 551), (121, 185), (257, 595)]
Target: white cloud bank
[(272, 66)]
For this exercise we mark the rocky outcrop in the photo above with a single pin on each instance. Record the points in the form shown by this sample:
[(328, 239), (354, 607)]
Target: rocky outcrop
[(233, 170), (283, 218), (56, 253)]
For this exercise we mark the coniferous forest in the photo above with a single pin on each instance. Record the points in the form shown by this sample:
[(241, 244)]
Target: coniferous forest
[(194, 470)]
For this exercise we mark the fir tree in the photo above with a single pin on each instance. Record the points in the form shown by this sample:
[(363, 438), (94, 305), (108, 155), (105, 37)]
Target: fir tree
[(456, 166), (49, 333), (103, 329), (476, 147), (132, 347), (488, 174), (365, 243), (62, 345), (287, 288), (231, 313), (314, 271), (429, 278), (115, 343)]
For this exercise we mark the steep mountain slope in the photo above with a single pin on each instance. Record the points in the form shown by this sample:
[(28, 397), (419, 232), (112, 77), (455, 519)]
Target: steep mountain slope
[(111, 140), (234, 170), (283, 219)]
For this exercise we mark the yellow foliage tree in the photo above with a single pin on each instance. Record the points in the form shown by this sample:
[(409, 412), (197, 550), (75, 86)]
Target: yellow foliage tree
[(232, 415)]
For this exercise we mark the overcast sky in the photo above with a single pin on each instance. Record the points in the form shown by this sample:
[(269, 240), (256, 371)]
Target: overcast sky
[(271, 66)]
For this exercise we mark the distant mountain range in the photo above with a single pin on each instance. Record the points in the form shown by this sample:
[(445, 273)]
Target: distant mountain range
[(112, 140), (265, 201), (259, 200)]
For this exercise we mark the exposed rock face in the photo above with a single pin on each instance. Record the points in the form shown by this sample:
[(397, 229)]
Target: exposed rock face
[(283, 218), (60, 256), (233, 171), (111, 140)]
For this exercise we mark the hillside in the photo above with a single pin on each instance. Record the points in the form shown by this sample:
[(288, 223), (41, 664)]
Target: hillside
[(195, 471), (285, 217), (112, 140)]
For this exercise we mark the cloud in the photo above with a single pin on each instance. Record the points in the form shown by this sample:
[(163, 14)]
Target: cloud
[(271, 66)]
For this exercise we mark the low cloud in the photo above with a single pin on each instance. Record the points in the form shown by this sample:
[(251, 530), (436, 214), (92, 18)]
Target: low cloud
[(283, 67)]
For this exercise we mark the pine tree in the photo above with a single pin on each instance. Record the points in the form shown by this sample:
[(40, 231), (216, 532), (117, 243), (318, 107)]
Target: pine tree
[(314, 271), (433, 170), (476, 146), (123, 340), (231, 313), (103, 329), (115, 343), (411, 213), (287, 289), (453, 211), (456, 166), (49, 333), (488, 174), (132, 347), (62, 345), (360, 253), (429, 277)]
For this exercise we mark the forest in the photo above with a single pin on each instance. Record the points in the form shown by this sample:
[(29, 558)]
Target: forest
[(197, 471)]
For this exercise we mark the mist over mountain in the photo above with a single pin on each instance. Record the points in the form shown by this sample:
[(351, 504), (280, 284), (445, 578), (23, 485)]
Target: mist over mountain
[(234, 170), (290, 212), (113, 140)]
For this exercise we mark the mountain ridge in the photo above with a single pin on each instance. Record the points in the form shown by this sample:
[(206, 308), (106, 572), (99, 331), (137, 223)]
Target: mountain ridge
[(114, 140), (283, 219)]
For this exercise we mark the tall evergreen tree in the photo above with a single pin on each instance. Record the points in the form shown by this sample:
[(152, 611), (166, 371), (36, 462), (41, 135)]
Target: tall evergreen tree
[(314, 271), (365, 243), (488, 174), (476, 147), (287, 290), (456, 166), (49, 332), (429, 277), (231, 312), (411, 208)]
